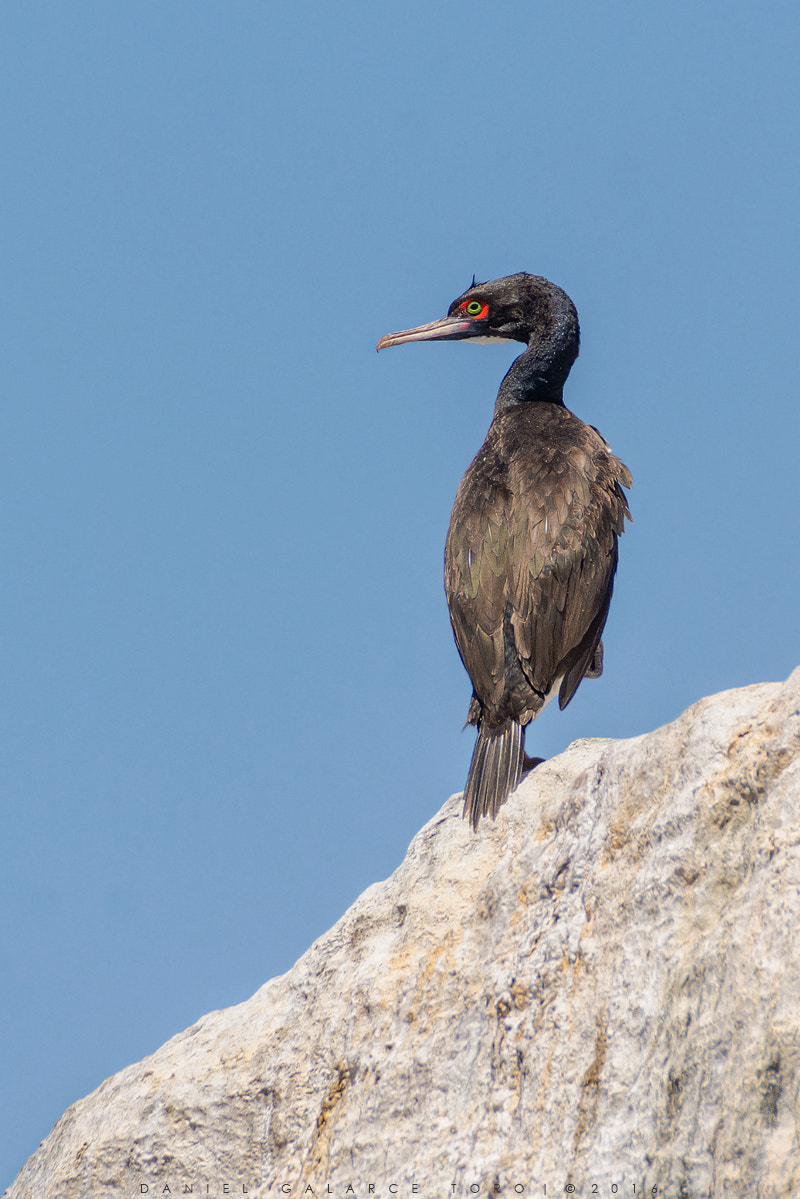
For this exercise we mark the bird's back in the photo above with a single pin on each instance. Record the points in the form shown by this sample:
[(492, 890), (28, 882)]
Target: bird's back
[(530, 559)]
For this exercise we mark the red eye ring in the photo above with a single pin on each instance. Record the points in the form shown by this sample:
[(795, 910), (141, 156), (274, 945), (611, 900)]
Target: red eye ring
[(476, 310)]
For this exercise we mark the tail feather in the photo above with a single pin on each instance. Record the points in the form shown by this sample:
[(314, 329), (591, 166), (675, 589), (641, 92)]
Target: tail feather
[(497, 766)]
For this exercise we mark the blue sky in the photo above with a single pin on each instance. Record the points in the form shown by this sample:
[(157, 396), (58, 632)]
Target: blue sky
[(229, 691)]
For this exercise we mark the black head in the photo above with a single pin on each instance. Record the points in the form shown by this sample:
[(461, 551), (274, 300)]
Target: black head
[(519, 307)]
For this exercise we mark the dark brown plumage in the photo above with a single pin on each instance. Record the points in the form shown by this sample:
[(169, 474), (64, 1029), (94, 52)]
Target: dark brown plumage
[(532, 546)]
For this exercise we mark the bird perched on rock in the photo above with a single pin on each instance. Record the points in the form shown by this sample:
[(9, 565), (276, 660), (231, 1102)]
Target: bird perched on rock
[(532, 545)]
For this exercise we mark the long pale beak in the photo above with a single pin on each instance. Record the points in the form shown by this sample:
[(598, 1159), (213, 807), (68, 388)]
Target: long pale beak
[(448, 328)]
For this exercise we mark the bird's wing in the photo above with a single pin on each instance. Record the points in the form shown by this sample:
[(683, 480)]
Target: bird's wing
[(560, 586), (479, 546), (538, 554)]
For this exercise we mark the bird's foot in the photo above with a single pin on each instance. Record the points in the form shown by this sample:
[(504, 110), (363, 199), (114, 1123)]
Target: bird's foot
[(529, 763)]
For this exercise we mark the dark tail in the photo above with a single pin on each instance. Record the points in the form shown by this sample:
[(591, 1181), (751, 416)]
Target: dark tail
[(497, 766)]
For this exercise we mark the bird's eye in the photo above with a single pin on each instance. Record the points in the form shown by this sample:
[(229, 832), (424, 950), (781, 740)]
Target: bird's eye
[(476, 308)]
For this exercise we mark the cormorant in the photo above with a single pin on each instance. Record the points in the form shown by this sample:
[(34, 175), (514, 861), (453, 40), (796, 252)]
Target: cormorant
[(532, 545)]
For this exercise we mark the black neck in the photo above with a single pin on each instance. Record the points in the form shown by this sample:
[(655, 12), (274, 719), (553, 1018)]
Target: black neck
[(540, 373)]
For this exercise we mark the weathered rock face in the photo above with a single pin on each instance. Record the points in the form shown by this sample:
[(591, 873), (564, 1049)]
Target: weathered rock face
[(601, 988)]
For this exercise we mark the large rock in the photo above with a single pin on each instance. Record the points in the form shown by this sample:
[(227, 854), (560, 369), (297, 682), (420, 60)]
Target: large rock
[(601, 988)]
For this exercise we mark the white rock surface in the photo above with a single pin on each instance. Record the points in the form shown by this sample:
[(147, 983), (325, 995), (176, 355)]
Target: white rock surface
[(602, 988)]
